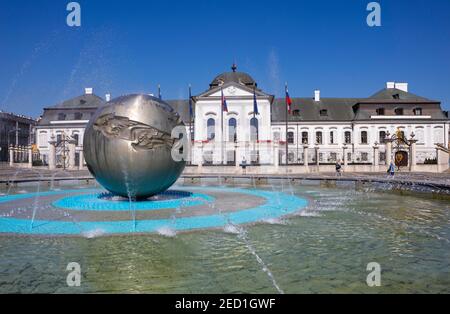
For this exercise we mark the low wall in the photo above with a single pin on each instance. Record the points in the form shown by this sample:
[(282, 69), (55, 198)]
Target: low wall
[(299, 169)]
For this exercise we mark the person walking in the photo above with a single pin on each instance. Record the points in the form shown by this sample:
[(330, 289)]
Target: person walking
[(244, 165), (338, 169), (391, 170)]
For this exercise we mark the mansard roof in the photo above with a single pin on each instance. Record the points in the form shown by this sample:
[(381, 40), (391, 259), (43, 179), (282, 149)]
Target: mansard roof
[(85, 105), (396, 95), (80, 102), (337, 109), (182, 107)]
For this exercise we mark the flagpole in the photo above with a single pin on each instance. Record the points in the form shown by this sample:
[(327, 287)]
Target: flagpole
[(221, 121), (190, 123), (287, 145)]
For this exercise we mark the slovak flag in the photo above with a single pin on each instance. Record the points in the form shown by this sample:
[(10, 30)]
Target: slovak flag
[(255, 103), (288, 100), (224, 103)]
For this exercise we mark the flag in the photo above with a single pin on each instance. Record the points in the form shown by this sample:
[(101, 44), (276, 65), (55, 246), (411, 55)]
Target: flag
[(191, 114), (288, 100), (224, 103), (255, 103)]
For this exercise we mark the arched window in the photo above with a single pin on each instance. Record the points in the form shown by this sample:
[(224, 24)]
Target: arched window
[(382, 137), (319, 138), (290, 137), (305, 139), (438, 136), (348, 137), (211, 129), (254, 129), (232, 130), (276, 136), (364, 139), (331, 137), (76, 138), (43, 140), (420, 136)]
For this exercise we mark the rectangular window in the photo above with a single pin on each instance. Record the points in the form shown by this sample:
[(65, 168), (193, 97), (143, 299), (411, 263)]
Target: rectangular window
[(380, 112), (333, 157), (323, 113), (364, 157)]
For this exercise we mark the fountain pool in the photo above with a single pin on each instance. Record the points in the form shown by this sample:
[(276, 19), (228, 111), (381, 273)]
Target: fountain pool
[(278, 238)]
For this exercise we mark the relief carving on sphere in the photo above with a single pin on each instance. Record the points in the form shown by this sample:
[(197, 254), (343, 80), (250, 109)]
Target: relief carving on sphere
[(142, 136)]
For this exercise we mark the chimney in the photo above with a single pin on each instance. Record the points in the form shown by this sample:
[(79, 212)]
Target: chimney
[(88, 90), (402, 86), (317, 95), (108, 97), (390, 85)]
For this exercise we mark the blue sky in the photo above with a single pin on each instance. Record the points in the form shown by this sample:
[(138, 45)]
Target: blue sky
[(130, 46)]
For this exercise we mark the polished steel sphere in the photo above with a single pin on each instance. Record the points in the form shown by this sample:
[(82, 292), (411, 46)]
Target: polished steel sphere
[(128, 144)]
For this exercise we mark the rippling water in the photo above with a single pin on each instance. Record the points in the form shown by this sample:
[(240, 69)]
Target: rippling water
[(323, 250)]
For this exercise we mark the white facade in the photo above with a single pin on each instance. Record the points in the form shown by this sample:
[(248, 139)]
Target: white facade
[(242, 136)]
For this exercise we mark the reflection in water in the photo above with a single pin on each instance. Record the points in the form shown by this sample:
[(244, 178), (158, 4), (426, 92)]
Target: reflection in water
[(324, 250)]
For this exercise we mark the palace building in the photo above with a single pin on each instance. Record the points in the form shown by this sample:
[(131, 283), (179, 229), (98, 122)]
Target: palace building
[(15, 131), (365, 134)]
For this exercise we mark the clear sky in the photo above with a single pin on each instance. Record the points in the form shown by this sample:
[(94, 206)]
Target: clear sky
[(130, 46)]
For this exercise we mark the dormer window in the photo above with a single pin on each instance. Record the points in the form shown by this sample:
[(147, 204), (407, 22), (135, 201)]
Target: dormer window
[(61, 116), (380, 112), (398, 111), (417, 111), (396, 96), (296, 113), (323, 113), (78, 116)]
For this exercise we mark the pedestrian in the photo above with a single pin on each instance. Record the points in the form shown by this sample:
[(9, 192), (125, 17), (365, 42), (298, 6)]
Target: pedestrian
[(391, 170), (244, 165), (338, 169)]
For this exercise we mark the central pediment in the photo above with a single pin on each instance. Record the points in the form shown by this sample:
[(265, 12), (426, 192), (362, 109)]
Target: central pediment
[(231, 90)]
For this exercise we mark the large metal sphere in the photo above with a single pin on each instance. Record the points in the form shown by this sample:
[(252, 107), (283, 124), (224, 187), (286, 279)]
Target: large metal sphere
[(128, 143)]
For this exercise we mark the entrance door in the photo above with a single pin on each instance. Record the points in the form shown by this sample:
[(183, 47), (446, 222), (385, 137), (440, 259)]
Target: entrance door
[(401, 159)]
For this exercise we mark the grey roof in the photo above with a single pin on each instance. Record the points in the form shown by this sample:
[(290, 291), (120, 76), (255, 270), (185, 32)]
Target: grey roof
[(393, 94), (182, 107), (85, 105), (236, 77), (81, 102), (338, 109)]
